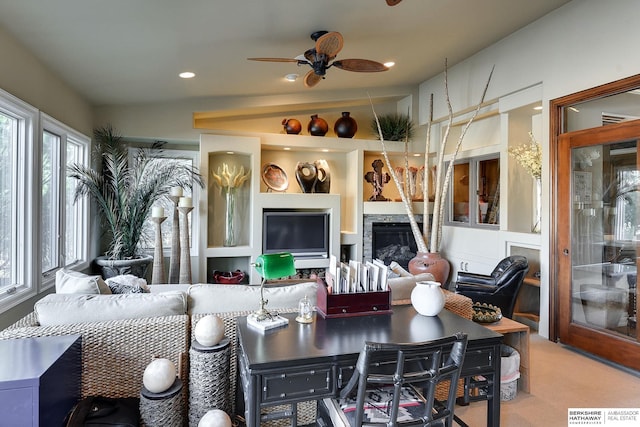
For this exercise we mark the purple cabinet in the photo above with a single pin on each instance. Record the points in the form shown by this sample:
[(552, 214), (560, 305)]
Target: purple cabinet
[(39, 380)]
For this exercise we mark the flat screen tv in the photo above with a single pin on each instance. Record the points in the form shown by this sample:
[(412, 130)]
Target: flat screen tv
[(305, 234)]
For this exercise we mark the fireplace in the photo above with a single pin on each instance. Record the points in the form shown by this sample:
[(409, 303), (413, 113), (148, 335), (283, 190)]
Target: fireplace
[(393, 241)]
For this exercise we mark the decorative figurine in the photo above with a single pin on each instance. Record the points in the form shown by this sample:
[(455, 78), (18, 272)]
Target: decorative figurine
[(378, 179)]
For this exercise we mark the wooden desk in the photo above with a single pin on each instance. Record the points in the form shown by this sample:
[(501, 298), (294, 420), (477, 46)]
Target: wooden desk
[(516, 335), (301, 362)]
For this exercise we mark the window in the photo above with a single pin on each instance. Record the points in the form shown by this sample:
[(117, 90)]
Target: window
[(475, 192), (147, 242), (17, 260), (64, 228)]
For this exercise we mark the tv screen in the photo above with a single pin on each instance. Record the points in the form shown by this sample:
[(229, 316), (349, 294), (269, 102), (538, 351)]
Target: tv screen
[(302, 233)]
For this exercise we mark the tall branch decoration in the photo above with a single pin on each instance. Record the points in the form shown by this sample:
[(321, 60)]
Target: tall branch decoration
[(432, 233)]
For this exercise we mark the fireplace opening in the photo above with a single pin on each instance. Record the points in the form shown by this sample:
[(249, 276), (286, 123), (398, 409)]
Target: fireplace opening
[(393, 241)]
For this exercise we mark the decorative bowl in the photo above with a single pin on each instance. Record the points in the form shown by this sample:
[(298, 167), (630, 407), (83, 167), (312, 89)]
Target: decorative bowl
[(228, 277), (486, 313)]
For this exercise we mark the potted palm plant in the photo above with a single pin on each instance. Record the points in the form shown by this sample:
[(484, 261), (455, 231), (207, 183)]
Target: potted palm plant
[(124, 191)]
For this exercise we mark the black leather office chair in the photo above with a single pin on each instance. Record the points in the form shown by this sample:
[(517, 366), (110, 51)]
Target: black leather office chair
[(500, 288), (396, 384)]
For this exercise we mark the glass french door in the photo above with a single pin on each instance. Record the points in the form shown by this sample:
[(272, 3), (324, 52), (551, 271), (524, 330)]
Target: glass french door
[(598, 230)]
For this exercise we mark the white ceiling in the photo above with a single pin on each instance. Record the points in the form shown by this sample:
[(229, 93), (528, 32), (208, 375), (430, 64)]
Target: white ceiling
[(117, 52)]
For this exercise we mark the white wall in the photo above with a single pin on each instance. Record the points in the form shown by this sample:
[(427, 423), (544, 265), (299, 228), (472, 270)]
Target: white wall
[(25, 77), (583, 44)]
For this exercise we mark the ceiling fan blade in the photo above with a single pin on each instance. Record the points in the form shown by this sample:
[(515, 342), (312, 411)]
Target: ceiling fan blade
[(274, 59), (360, 65), (393, 2), (311, 79), (330, 44)]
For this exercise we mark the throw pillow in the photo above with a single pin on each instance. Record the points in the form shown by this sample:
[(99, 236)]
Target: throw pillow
[(127, 284), (74, 282)]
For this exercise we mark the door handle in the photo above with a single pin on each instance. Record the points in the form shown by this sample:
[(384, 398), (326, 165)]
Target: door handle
[(565, 251)]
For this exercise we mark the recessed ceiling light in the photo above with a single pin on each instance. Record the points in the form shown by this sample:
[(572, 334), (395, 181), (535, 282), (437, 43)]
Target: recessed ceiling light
[(389, 64), (287, 148), (538, 108), (187, 75), (574, 109), (417, 154), (231, 152), (325, 150), (291, 77)]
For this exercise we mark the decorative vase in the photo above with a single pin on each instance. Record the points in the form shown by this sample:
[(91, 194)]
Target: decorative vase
[(230, 218), (538, 208), (306, 175), (427, 298), (318, 126), (345, 126), (292, 126), (323, 183), (430, 262)]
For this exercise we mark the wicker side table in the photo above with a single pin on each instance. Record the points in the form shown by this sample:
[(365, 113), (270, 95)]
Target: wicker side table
[(209, 380), (162, 409)]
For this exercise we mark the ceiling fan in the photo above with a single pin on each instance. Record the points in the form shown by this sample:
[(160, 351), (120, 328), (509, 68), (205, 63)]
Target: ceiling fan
[(328, 44)]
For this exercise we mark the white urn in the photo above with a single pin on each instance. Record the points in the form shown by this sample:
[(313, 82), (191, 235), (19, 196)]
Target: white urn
[(427, 298), (215, 418), (159, 375), (209, 330)]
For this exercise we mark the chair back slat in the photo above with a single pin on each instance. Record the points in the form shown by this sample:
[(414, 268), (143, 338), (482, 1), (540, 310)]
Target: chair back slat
[(419, 366)]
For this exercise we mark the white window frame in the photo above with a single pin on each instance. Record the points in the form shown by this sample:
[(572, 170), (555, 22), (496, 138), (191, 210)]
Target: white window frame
[(194, 217), (68, 135), (473, 195), (25, 211)]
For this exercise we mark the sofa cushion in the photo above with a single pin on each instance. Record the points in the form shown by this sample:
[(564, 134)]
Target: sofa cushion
[(74, 282), (61, 309), (401, 287), (216, 298)]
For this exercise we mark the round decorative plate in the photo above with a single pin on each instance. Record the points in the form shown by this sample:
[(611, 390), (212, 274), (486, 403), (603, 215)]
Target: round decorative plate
[(275, 178), (486, 313)]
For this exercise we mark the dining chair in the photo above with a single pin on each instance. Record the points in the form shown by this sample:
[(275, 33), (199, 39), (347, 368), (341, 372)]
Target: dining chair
[(394, 384)]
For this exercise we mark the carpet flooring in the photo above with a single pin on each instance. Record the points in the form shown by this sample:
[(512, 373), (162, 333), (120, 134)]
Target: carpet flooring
[(561, 378)]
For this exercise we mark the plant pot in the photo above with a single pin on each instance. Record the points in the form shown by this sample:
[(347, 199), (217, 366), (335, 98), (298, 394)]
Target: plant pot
[(116, 267), (430, 262)]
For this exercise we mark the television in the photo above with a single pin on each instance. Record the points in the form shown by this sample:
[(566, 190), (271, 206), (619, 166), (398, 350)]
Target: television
[(304, 234)]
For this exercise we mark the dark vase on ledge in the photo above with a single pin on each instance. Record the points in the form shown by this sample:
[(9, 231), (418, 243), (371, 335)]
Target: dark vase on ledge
[(346, 126), (318, 126)]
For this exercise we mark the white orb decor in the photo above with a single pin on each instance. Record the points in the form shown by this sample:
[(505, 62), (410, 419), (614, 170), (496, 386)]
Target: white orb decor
[(209, 330), (159, 375), (215, 418)]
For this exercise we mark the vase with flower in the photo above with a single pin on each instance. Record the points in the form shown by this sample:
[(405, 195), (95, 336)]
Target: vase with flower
[(529, 156), (229, 180)]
